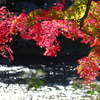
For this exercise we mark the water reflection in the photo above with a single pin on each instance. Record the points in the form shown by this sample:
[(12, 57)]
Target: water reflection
[(58, 70)]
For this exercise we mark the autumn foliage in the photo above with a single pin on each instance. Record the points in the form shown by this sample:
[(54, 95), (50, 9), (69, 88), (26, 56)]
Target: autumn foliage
[(81, 20)]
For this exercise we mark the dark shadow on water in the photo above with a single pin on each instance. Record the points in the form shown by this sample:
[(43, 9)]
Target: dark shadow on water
[(27, 59), (59, 69)]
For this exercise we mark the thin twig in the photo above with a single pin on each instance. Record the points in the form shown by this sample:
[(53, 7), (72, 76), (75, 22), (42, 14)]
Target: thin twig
[(15, 39)]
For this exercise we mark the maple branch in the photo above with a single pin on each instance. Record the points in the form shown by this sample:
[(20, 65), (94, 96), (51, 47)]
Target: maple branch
[(85, 16)]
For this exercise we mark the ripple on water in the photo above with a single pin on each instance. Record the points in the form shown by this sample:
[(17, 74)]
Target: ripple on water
[(50, 91)]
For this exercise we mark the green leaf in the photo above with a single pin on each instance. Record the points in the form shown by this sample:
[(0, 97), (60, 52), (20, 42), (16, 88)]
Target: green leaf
[(76, 85), (97, 89), (92, 85), (92, 92)]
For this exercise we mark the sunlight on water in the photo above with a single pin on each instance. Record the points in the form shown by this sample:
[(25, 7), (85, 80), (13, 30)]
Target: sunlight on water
[(52, 90)]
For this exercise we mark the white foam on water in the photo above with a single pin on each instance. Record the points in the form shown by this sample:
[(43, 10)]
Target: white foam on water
[(20, 92)]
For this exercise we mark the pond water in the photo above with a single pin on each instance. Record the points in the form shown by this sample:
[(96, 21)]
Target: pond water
[(58, 69), (61, 74)]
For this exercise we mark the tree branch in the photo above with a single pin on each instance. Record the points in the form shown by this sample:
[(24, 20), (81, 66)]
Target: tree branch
[(85, 15)]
